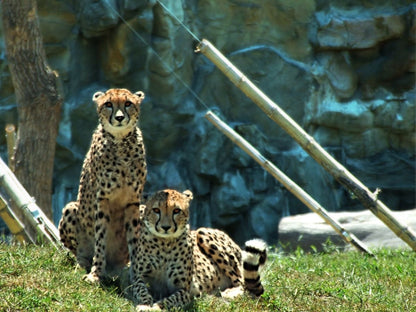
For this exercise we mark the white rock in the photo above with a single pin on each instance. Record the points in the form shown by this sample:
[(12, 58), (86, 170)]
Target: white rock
[(306, 230)]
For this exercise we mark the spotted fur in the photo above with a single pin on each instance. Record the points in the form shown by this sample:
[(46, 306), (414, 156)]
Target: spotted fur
[(170, 264), (112, 179)]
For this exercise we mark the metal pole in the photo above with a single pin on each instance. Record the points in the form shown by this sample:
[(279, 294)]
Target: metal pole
[(286, 181), (13, 223), (341, 174), (24, 201)]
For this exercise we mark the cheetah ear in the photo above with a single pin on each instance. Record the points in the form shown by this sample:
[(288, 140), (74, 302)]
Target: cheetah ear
[(97, 95), (188, 194), (140, 94), (146, 197)]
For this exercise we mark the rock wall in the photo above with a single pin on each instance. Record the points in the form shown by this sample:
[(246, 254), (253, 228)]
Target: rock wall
[(344, 70)]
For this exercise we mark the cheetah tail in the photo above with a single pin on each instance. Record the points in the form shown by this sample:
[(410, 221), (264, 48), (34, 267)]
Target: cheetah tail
[(254, 256)]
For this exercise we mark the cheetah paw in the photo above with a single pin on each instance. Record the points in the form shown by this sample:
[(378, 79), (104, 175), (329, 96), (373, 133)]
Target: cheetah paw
[(91, 278), (143, 307), (232, 293)]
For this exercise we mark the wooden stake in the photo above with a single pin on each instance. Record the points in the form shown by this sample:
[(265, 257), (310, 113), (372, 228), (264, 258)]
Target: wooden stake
[(11, 143), (340, 173), (286, 181), (27, 204)]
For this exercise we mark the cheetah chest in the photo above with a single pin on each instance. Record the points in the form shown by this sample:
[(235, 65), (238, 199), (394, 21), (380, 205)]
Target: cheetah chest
[(165, 267), (160, 281), (119, 185), (122, 179)]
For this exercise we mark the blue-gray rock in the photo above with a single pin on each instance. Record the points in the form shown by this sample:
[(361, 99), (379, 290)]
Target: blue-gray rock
[(352, 29)]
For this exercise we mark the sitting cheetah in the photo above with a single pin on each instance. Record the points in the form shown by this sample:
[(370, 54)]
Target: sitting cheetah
[(171, 264), (112, 179)]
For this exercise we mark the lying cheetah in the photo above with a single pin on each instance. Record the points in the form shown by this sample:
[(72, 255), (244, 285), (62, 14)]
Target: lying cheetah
[(112, 178), (178, 264)]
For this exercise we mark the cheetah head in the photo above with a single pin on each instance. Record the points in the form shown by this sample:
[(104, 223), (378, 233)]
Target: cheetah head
[(118, 110), (167, 213)]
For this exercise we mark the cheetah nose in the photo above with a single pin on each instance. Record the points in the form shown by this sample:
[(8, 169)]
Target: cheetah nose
[(119, 118), (166, 227)]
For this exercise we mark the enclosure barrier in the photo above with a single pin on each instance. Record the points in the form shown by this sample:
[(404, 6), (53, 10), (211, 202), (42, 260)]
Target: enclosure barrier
[(286, 181), (26, 203), (340, 173)]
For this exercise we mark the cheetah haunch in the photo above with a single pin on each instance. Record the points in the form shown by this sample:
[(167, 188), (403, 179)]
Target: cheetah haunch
[(112, 178), (170, 264)]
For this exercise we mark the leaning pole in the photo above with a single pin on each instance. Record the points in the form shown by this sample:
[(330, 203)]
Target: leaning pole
[(287, 182), (308, 143)]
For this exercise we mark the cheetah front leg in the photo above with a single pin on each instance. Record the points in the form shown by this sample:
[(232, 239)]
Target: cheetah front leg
[(102, 220), (181, 279), (178, 299), (141, 294), (68, 227), (132, 225)]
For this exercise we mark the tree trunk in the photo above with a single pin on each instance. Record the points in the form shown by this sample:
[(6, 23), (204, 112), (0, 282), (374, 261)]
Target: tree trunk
[(38, 100)]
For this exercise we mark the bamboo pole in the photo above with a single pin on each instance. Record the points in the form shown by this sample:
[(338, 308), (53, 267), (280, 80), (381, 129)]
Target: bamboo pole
[(13, 223), (26, 203), (295, 189), (340, 173), (29, 229)]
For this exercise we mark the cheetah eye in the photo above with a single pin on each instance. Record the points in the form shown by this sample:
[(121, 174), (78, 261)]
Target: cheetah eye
[(108, 104), (128, 104), (176, 211), (156, 210)]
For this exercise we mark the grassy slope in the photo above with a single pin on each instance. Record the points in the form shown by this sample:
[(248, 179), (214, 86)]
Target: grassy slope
[(41, 279)]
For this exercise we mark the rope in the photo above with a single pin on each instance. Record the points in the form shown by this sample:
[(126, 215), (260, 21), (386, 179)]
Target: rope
[(170, 70)]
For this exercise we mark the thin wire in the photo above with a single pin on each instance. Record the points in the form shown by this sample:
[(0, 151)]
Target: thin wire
[(179, 21), (157, 54)]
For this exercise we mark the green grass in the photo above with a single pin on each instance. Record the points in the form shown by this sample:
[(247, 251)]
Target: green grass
[(34, 278)]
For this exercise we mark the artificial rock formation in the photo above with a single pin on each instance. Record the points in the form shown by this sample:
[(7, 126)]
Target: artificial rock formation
[(344, 70)]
